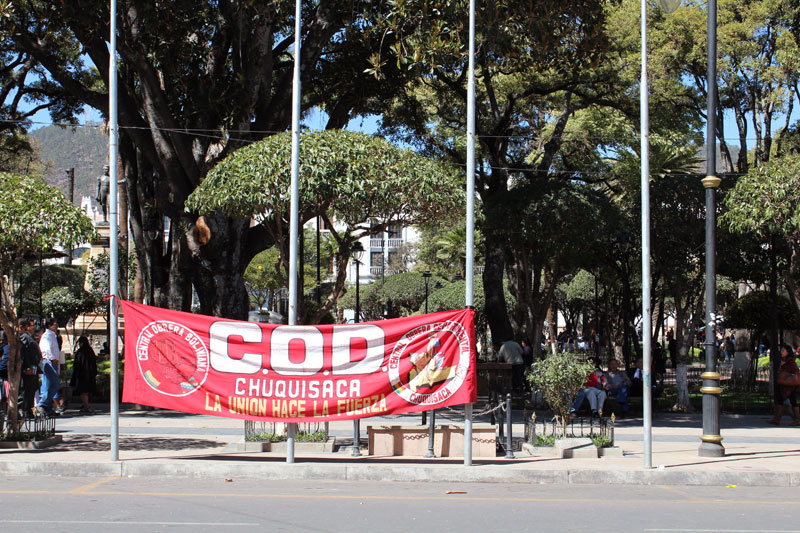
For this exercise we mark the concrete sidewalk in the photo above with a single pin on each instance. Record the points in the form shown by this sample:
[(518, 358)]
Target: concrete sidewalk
[(168, 444)]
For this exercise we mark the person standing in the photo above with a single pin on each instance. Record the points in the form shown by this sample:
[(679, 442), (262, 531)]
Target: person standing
[(84, 372), (50, 358), (3, 368), (31, 358), (511, 352), (787, 370)]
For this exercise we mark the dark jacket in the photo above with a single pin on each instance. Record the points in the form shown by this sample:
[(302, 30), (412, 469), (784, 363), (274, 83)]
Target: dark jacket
[(30, 353)]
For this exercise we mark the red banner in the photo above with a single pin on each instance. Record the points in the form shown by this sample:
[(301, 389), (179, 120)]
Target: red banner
[(214, 366)]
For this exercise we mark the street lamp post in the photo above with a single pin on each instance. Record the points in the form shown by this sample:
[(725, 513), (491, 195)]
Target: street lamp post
[(357, 252), (711, 445)]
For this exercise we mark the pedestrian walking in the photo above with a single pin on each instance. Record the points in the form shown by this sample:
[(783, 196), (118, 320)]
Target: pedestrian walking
[(50, 358), (84, 372)]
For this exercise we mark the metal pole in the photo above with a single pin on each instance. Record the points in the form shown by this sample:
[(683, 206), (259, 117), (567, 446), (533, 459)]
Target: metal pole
[(470, 260), (295, 193), (319, 266), (426, 294), (71, 177), (509, 426), (113, 268), (596, 338), (357, 422), (431, 428), (644, 113), (358, 299), (711, 445), (426, 275), (356, 438)]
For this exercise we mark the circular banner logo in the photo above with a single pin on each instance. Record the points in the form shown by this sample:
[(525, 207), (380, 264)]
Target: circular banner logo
[(429, 363), (172, 358)]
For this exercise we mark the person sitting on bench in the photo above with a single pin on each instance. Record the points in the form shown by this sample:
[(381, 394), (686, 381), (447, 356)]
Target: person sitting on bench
[(617, 385), (593, 390)]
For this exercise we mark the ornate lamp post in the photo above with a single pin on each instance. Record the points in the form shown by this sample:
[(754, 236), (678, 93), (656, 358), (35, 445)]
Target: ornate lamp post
[(357, 252), (711, 445), (427, 276)]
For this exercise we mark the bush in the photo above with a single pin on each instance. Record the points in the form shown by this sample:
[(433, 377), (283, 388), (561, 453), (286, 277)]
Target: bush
[(559, 378)]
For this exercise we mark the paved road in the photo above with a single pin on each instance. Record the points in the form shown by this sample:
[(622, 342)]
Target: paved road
[(160, 504)]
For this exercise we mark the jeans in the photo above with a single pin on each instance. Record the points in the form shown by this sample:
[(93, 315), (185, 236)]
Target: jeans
[(621, 394), (50, 385), (596, 397)]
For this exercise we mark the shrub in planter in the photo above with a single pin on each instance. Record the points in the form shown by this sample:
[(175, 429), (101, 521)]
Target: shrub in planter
[(559, 378)]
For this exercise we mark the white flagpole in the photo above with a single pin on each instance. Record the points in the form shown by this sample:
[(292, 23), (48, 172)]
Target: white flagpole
[(295, 193), (113, 210), (647, 315), (468, 297)]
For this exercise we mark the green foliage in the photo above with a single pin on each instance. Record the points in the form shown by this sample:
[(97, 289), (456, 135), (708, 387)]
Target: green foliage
[(261, 277), (98, 270), (601, 441), (351, 176), (266, 437), (300, 436), (67, 303), (51, 276), (407, 292), (544, 441), (753, 311), (559, 378), (575, 295), (34, 217), (765, 201)]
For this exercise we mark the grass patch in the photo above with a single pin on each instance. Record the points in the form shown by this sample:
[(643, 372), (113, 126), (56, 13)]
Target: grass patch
[(541, 441), (300, 436)]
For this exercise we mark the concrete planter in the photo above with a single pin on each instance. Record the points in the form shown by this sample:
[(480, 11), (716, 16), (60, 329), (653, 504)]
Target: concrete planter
[(572, 449), (309, 448), (411, 440)]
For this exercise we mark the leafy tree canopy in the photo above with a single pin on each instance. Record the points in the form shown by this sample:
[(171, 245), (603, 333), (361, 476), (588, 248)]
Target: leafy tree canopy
[(752, 311), (767, 200), (34, 217), (351, 176)]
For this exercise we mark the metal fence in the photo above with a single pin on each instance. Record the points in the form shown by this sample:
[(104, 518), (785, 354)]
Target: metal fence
[(257, 431), (576, 427), (36, 428)]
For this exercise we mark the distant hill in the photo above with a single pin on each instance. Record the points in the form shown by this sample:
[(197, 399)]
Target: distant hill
[(84, 148)]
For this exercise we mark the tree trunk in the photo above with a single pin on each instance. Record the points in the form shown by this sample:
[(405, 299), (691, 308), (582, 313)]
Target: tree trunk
[(682, 378), (496, 312), (683, 341), (214, 246)]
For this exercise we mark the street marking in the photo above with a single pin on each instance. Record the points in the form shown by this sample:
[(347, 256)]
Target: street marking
[(723, 530), (86, 488), (129, 523), (448, 498), (676, 491)]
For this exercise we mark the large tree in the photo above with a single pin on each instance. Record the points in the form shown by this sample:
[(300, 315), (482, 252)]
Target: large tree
[(766, 202), (34, 217), (196, 81), (536, 66), (358, 184)]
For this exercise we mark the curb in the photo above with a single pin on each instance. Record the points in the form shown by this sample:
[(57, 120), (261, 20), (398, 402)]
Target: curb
[(399, 472)]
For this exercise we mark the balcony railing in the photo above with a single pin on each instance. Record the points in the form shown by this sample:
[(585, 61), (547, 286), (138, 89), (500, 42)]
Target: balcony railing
[(377, 244)]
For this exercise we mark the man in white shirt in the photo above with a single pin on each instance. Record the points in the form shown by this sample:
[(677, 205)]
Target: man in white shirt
[(48, 344)]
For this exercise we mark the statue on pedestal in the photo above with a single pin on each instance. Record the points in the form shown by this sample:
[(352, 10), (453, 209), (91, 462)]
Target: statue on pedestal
[(103, 187)]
